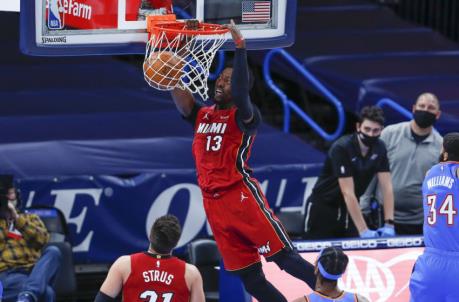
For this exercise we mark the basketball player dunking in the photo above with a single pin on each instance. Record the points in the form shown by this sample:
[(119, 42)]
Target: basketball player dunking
[(154, 275), (436, 272), (242, 222)]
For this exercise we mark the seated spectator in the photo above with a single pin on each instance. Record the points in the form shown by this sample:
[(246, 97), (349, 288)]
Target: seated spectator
[(26, 271), (330, 266), (413, 147), (332, 210)]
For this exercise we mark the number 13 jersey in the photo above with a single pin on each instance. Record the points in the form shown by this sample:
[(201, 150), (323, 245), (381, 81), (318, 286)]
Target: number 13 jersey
[(220, 148)]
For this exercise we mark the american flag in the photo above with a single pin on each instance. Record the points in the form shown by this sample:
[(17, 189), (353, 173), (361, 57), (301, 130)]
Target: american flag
[(256, 11)]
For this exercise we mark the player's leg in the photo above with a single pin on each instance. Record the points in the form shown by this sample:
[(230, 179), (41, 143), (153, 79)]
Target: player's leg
[(267, 233), (291, 262), (430, 279), (255, 283), (239, 257)]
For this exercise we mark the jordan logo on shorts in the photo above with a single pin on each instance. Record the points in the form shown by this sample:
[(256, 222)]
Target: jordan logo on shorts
[(243, 196)]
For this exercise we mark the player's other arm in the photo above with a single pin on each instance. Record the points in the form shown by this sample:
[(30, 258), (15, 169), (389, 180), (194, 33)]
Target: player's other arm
[(346, 185), (194, 282), (184, 101), (116, 277)]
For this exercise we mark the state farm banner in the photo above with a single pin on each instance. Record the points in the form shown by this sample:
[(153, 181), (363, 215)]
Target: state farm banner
[(89, 14), (109, 216), (380, 275)]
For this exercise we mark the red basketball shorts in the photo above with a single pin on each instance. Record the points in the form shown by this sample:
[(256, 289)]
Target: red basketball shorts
[(244, 226)]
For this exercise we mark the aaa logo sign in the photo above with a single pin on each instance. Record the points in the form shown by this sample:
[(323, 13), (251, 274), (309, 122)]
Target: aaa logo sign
[(380, 275)]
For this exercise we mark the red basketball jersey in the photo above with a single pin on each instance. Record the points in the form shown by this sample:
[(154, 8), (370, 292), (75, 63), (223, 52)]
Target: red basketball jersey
[(156, 279), (220, 149)]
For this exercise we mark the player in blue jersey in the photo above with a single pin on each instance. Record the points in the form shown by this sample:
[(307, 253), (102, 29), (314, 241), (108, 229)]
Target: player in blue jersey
[(330, 265), (436, 272)]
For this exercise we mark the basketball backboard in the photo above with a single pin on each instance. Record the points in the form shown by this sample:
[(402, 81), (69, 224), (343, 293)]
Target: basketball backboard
[(88, 27)]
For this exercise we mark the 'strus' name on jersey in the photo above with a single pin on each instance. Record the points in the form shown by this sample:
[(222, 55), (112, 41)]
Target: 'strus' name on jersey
[(157, 276)]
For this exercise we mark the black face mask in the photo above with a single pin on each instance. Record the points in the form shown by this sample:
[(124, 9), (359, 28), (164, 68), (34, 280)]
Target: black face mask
[(368, 140), (424, 119)]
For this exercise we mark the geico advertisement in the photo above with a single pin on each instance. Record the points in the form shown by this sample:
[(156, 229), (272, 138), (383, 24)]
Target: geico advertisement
[(109, 216), (380, 275)]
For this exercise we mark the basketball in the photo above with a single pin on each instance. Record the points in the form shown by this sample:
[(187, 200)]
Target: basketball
[(163, 70)]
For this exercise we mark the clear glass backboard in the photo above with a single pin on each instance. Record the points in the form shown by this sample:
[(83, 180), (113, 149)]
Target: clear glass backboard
[(88, 27)]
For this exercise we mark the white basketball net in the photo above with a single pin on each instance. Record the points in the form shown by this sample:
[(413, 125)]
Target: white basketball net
[(188, 67)]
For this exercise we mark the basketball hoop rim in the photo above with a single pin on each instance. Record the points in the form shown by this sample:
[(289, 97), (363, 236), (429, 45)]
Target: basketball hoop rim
[(204, 28)]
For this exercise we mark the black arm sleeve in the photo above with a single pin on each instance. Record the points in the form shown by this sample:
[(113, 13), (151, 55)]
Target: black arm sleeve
[(101, 297), (249, 128), (240, 84)]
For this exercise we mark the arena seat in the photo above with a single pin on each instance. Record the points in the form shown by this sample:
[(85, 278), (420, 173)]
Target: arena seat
[(348, 44), (65, 282), (293, 222), (204, 254), (404, 91)]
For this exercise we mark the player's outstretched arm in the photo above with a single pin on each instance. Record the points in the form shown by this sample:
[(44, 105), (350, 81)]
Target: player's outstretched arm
[(240, 85), (302, 299), (194, 282), (184, 101), (115, 279)]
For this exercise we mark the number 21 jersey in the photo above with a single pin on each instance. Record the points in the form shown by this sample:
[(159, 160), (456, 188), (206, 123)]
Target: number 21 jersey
[(155, 279)]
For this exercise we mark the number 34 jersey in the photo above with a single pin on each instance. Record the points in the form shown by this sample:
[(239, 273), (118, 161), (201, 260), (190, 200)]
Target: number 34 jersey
[(441, 207), (220, 148), (154, 279)]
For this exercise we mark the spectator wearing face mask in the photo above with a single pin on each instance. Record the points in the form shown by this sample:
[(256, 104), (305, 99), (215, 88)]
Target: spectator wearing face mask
[(333, 210), (413, 147)]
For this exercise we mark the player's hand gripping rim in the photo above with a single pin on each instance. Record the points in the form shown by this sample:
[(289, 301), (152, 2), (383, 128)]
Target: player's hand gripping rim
[(236, 34)]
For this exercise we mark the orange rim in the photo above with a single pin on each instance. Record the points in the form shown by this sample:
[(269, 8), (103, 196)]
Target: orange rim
[(180, 28)]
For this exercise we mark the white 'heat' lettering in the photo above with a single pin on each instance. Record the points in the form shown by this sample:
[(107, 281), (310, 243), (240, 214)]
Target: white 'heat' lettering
[(217, 128)]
